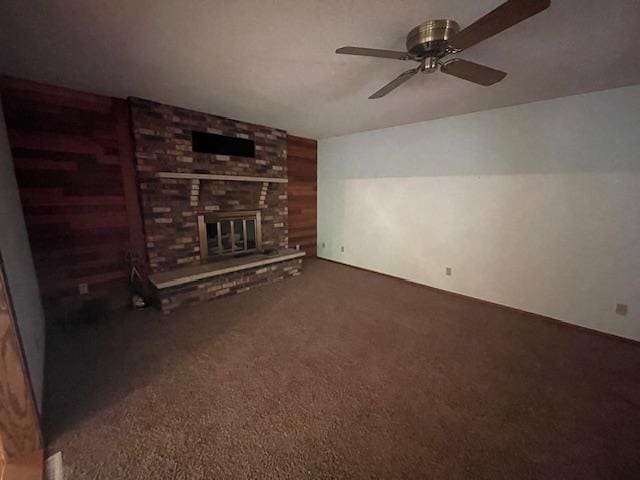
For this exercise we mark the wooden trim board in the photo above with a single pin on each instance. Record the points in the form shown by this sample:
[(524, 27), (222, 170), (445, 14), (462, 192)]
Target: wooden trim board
[(207, 176), (20, 433), (130, 186)]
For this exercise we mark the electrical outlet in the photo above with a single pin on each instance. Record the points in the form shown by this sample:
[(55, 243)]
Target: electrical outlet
[(83, 288), (622, 309), (323, 245), (447, 271), (342, 249)]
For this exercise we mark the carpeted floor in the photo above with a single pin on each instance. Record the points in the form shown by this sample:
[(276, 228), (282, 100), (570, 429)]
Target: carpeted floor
[(341, 373)]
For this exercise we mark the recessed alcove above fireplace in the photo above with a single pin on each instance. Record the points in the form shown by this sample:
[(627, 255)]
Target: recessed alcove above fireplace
[(202, 208), (204, 142)]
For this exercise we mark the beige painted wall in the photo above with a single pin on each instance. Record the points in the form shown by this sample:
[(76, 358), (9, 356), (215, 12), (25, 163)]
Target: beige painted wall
[(535, 206)]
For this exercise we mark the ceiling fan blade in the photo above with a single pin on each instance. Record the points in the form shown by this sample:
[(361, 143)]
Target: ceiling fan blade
[(373, 52), (473, 72), (498, 20), (395, 83)]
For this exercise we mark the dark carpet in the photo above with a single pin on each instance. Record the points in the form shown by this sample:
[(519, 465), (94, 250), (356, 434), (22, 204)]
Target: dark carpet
[(341, 373)]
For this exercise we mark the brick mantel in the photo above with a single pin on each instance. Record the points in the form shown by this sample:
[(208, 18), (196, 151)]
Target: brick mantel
[(206, 176)]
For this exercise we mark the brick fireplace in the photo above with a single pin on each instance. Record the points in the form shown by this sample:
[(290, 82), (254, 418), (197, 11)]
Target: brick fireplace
[(181, 188)]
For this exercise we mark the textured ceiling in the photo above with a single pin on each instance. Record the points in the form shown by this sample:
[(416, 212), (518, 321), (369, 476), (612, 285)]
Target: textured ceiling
[(272, 62)]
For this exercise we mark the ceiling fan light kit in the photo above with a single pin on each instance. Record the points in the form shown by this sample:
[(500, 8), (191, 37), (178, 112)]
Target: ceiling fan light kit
[(431, 41)]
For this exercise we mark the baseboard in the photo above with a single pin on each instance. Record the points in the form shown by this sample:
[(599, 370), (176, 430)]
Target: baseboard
[(555, 321)]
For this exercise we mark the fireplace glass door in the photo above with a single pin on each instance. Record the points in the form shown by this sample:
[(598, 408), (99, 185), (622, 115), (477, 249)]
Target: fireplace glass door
[(228, 234)]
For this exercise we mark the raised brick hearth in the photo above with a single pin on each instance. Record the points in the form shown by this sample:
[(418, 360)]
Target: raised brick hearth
[(175, 188), (171, 298)]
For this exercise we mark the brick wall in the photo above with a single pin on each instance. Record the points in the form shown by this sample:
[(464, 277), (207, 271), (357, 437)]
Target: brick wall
[(162, 136)]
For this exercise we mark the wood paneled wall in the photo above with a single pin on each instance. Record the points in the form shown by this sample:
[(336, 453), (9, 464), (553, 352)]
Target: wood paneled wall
[(73, 157), (302, 160), (74, 164)]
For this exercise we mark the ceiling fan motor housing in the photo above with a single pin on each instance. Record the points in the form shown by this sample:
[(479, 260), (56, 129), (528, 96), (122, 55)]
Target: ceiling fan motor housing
[(431, 38)]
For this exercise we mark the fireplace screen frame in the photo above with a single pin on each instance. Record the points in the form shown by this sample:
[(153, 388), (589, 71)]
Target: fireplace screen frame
[(232, 217)]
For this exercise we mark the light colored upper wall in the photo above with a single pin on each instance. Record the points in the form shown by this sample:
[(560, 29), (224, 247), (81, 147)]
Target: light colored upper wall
[(535, 206), (18, 264)]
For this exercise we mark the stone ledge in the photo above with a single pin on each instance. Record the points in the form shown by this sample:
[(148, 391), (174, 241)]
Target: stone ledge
[(183, 276)]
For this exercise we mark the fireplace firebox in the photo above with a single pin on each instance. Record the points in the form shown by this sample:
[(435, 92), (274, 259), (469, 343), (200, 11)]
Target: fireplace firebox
[(227, 234)]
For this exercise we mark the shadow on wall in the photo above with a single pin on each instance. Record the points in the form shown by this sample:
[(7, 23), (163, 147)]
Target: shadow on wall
[(597, 132)]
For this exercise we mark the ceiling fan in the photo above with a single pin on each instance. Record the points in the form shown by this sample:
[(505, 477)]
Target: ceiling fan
[(431, 41)]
